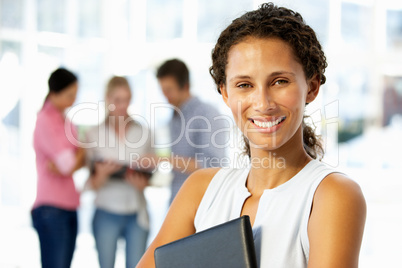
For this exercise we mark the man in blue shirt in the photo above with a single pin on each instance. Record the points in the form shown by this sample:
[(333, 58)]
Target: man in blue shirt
[(198, 131)]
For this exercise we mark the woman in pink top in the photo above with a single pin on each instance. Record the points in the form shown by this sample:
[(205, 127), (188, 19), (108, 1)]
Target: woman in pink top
[(54, 214)]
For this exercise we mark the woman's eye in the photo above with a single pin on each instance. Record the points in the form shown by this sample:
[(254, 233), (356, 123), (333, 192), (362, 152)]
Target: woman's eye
[(280, 82), (244, 86)]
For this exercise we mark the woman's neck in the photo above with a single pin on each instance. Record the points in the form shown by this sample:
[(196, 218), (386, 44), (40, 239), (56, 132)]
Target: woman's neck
[(118, 124), (54, 103), (271, 168)]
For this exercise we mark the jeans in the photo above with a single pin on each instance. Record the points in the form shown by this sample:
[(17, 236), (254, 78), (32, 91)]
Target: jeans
[(108, 228), (57, 231)]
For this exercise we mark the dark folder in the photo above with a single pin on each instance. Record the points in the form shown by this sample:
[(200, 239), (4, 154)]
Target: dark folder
[(228, 245)]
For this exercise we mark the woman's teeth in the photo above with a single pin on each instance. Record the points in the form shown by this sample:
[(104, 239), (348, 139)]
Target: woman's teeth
[(268, 124)]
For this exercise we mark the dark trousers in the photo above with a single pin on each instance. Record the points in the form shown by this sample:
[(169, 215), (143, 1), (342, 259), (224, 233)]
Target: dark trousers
[(57, 231)]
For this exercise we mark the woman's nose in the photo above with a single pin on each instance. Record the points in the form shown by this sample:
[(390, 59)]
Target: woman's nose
[(263, 100)]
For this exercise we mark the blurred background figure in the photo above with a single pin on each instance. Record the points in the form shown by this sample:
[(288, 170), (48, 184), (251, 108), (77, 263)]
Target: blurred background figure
[(197, 129), (54, 213), (121, 208)]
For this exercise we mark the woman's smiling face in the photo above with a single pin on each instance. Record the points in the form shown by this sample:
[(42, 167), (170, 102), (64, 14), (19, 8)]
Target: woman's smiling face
[(266, 89)]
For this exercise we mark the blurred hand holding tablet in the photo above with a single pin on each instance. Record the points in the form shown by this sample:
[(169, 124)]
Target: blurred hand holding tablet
[(121, 173)]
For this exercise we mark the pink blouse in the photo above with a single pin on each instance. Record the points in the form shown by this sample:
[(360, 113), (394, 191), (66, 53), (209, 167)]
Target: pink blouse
[(51, 144)]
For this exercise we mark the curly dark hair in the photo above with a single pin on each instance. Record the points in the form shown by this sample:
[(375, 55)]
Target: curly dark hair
[(271, 21)]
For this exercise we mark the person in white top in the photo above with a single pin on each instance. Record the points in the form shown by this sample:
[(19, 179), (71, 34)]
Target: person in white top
[(268, 65), (121, 209)]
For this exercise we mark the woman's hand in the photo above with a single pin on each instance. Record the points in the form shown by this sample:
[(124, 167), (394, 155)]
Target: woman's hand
[(137, 179), (147, 162), (66, 163), (53, 168), (106, 168), (102, 171)]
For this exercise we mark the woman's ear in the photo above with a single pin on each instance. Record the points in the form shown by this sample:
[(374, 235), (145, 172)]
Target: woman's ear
[(224, 94), (313, 88)]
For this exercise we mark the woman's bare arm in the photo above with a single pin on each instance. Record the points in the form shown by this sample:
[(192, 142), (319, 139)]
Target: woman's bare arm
[(336, 223), (179, 221), (80, 159)]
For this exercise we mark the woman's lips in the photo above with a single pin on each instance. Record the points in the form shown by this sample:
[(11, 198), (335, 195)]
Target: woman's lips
[(267, 124)]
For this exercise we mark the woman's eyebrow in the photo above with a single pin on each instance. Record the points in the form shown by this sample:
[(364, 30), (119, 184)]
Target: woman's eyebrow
[(276, 73), (282, 73), (239, 77)]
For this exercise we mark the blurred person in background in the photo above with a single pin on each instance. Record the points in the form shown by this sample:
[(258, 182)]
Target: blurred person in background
[(54, 213), (197, 139), (121, 209)]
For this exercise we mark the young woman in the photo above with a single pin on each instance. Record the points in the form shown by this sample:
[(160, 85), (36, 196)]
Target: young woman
[(121, 209), (54, 213), (268, 65)]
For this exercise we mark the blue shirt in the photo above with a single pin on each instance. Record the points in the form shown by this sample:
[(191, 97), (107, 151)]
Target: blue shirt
[(198, 131)]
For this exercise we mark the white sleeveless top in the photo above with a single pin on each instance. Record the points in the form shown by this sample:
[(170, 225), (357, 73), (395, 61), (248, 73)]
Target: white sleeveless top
[(280, 226)]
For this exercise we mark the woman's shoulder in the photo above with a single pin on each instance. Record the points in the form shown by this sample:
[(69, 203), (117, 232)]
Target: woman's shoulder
[(338, 192), (134, 128), (195, 186), (338, 185), (134, 123), (46, 114), (202, 180), (94, 131), (205, 176)]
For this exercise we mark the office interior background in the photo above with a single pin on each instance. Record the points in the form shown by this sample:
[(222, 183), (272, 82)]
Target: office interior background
[(358, 111)]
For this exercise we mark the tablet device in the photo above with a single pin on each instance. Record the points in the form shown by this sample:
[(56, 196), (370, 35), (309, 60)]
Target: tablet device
[(121, 173), (228, 245)]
